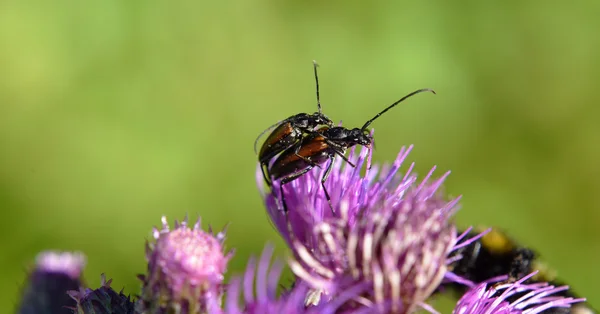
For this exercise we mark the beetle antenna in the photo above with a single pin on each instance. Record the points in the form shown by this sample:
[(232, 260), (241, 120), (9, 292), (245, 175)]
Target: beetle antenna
[(394, 104), (315, 66), (263, 133)]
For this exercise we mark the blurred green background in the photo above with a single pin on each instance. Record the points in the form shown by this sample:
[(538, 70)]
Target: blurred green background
[(114, 113)]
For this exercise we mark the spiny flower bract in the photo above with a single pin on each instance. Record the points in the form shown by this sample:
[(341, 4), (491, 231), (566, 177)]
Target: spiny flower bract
[(102, 300)]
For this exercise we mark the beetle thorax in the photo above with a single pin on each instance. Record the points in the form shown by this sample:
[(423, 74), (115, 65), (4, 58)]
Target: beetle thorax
[(318, 118)]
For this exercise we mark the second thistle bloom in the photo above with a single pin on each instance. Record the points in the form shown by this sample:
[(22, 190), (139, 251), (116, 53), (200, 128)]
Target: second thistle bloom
[(185, 269)]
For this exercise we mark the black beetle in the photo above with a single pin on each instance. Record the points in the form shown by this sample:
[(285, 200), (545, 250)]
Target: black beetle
[(320, 146)]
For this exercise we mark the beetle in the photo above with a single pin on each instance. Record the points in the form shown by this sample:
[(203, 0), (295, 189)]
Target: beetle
[(321, 146), (290, 131)]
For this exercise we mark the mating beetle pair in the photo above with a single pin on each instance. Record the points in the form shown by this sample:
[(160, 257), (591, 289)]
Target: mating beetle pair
[(303, 141)]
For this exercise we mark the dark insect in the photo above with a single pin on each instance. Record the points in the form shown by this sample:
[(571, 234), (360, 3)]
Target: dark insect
[(495, 254), (289, 132), (320, 146)]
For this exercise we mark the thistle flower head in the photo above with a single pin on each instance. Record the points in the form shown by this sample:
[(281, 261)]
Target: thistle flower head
[(513, 298), (102, 300), (185, 268), (388, 230), (55, 273)]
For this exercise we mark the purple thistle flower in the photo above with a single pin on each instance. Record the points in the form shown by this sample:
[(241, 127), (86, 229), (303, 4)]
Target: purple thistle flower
[(46, 290), (259, 286), (513, 298), (306, 200), (102, 300), (185, 269), (387, 230)]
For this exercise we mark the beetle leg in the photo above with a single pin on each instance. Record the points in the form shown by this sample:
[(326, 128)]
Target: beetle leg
[(287, 180), (340, 151), (341, 154), (308, 161), (325, 176)]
